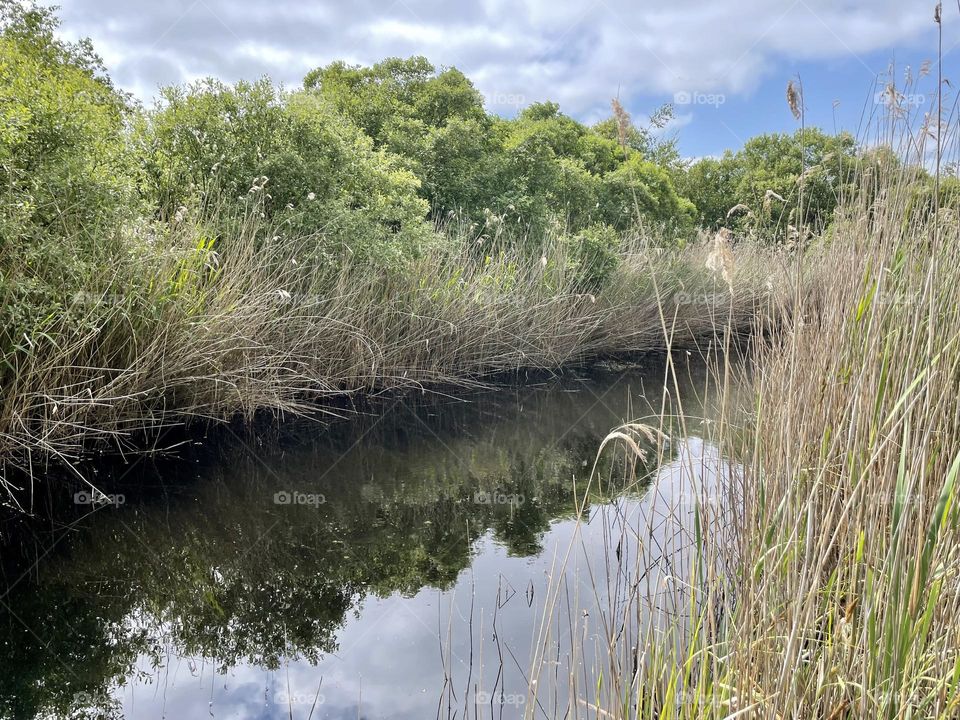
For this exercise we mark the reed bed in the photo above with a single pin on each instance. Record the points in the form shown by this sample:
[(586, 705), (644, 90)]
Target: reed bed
[(174, 332), (822, 581)]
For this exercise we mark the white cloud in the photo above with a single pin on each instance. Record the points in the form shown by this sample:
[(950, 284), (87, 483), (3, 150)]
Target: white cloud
[(579, 54)]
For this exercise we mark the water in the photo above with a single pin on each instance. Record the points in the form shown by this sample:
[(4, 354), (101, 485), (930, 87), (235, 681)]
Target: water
[(392, 566)]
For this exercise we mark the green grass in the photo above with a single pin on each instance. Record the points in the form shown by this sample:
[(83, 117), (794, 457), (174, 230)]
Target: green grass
[(843, 598)]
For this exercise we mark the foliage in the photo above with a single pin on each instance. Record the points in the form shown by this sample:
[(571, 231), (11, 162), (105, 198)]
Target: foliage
[(66, 184), (540, 170), (709, 184), (639, 189), (780, 181), (376, 98), (63, 160), (288, 155), (596, 255)]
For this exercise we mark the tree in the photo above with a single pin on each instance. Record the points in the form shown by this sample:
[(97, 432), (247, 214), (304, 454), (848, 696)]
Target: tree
[(63, 159), (808, 165), (379, 97), (641, 191), (781, 180), (644, 140), (710, 184), (433, 121), (290, 156), (540, 170), (66, 175)]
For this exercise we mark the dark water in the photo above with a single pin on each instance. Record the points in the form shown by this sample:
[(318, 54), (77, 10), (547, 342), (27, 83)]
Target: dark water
[(393, 566)]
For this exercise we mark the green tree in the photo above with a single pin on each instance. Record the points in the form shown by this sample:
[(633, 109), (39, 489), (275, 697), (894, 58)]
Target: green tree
[(66, 176), (710, 184), (640, 190), (379, 97), (542, 170), (64, 164), (290, 156), (810, 170), (648, 141), (434, 121), (779, 180)]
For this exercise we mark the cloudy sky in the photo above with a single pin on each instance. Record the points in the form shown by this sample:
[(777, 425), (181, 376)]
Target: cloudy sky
[(724, 63)]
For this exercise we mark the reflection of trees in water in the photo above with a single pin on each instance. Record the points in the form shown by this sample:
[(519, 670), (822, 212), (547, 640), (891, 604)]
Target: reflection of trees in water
[(62, 650), (232, 576)]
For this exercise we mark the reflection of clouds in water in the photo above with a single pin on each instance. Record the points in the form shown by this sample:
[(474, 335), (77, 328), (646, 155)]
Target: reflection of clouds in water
[(695, 486), (695, 489), (473, 497), (389, 664), (177, 692), (636, 565)]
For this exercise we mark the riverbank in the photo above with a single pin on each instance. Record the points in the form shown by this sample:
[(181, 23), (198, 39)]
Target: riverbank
[(182, 335), (842, 602)]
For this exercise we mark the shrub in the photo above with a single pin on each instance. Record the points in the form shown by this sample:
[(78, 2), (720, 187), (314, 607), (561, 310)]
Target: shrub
[(596, 255), (66, 181), (780, 180), (287, 155), (64, 165), (639, 190)]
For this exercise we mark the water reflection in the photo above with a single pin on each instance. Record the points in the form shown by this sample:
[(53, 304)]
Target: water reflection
[(395, 566)]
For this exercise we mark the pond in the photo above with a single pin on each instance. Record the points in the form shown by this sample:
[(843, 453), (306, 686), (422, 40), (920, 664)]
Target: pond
[(417, 560)]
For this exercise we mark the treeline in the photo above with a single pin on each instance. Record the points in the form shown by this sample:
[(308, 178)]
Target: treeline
[(365, 158)]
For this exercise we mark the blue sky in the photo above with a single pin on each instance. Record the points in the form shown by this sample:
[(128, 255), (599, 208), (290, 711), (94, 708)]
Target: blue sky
[(726, 62), (839, 94)]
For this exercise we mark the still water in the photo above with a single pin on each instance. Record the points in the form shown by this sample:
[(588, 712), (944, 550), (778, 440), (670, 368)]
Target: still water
[(394, 565)]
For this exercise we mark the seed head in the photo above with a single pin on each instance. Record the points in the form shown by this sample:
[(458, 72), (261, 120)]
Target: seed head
[(623, 121), (794, 100)]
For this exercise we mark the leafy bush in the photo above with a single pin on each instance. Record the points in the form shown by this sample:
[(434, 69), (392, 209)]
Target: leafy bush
[(66, 180), (639, 190), (250, 147), (596, 254), (64, 165), (539, 171), (767, 179), (395, 90)]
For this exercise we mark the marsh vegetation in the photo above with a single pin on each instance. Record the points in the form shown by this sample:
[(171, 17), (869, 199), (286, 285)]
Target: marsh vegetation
[(773, 533)]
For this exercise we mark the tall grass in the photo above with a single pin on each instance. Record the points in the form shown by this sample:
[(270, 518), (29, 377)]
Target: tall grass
[(850, 522), (824, 578), (184, 329)]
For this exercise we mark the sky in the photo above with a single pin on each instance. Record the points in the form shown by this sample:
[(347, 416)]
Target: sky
[(724, 64)]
